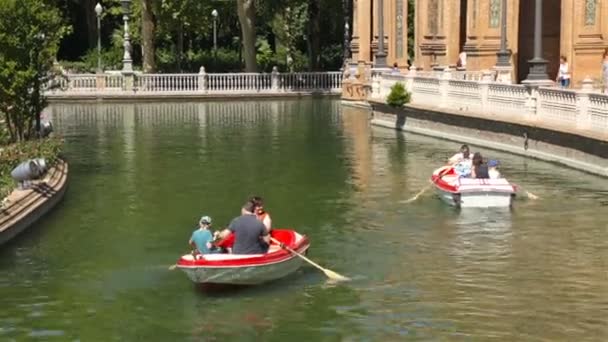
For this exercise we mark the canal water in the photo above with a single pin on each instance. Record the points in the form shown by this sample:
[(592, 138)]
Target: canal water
[(96, 268)]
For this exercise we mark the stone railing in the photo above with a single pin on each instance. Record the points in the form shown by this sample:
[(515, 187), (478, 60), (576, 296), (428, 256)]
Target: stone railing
[(201, 83), (583, 109)]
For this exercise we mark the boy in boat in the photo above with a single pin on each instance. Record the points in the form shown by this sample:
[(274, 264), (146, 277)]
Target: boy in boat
[(202, 238), (493, 169)]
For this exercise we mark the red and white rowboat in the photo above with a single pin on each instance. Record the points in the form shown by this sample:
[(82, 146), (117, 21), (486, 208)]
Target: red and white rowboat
[(472, 192), (247, 269)]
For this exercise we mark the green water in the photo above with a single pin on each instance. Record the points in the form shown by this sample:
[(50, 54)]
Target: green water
[(95, 269)]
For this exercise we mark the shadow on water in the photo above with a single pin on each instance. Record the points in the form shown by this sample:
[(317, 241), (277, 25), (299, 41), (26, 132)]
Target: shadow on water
[(302, 277)]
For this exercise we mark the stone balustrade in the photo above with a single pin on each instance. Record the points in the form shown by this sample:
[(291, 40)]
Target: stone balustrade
[(200, 83), (581, 109)]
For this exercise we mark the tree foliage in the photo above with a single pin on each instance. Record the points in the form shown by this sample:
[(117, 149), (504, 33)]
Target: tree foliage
[(175, 35), (398, 96), (30, 32)]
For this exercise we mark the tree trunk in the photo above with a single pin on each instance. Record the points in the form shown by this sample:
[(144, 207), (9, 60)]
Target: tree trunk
[(180, 45), (88, 6), (314, 34), (9, 124), (246, 13), (148, 26)]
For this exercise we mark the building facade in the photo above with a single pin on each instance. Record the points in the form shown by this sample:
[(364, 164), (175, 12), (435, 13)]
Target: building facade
[(576, 29)]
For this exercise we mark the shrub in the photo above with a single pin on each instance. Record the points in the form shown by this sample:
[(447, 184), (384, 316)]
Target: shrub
[(13, 155), (398, 96)]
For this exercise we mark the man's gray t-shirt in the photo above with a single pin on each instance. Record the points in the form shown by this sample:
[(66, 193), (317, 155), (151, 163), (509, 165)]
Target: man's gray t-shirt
[(248, 231)]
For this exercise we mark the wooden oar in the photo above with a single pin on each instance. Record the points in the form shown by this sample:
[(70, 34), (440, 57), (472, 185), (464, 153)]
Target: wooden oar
[(425, 189), (418, 194), (329, 273), (528, 193), (531, 195)]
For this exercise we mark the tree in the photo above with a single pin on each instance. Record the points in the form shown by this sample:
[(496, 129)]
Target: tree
[(314, 34), (30, 32), (148, 25), (398, 96), (246, 12)]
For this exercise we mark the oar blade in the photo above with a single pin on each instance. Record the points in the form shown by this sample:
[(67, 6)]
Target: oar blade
[(172, 267), (531, 195), (335, 276)]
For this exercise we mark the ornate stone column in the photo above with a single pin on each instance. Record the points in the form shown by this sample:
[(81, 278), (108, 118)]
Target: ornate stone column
[(503, 56), (127, 62), (346, 8), (361, 31), (380, 61)]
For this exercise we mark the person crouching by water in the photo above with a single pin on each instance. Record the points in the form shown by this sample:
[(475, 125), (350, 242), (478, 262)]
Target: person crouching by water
[(479, 170), (202, 238), (260, 213), (250, 234), (493, 172)]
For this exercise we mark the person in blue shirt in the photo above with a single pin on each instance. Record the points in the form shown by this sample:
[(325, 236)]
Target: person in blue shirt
[(202, 237)]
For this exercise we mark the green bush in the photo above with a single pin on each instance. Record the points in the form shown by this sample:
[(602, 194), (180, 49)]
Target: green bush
[(398, 96), (13, 155), (227, 61)]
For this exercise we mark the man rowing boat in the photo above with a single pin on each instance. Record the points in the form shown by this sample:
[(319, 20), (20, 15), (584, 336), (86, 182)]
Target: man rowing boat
[(250, 234)]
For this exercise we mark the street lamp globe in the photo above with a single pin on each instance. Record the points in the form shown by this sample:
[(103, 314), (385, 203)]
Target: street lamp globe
[(98, 9), (346, 27), (214, 13)]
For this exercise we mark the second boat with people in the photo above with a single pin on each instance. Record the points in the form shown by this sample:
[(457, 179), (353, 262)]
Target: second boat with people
[(468, 182)]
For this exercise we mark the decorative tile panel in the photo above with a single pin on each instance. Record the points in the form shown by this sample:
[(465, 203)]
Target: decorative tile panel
[(495, 8), (590, 12), (399, 23)]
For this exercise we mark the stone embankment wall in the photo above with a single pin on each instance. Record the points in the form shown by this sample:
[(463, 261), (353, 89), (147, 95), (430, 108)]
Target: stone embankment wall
[(566, 126), (23, 208)]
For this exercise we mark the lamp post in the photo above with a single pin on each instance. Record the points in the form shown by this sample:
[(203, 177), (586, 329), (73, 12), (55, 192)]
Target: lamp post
[(346, 42), (127, 62), (346, 8), (214, 14), (381, 54), (98, 11), (40, 37), (538, 65)]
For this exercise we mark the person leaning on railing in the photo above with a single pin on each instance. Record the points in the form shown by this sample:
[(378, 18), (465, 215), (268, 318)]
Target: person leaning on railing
[(563, 74)]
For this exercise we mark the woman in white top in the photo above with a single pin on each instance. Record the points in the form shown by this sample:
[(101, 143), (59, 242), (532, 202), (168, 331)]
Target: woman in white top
[(464, 156), (563, 75)]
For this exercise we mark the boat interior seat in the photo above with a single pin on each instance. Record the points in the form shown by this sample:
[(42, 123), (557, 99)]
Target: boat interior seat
[(273, 248), (450, 179)]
